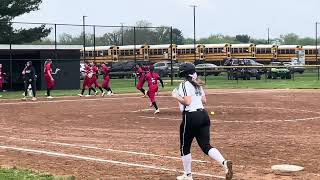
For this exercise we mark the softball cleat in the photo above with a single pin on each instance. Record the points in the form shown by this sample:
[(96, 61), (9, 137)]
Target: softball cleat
[(228, 167), (157, 111), (185, 177)]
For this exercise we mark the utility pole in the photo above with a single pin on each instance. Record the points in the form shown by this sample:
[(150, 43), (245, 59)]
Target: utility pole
[(194, 31), (84, 36), (122, 33), (268, 35)]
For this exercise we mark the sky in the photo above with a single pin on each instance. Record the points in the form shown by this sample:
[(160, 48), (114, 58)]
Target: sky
[(227, 17)]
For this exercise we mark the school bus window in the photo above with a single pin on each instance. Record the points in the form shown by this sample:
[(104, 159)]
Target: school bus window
[(292, 51), (245, 50), (268, 51), (192, 51), (259, 51)]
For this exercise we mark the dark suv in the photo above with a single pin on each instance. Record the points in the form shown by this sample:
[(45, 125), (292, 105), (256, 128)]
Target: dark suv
[(244, 73)]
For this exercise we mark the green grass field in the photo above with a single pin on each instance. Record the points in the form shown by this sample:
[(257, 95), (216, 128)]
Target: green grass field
[(16, 174), (307, 80)]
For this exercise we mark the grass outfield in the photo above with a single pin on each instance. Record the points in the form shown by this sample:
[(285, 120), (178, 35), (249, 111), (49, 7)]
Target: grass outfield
[(304, 81), (16, 174)]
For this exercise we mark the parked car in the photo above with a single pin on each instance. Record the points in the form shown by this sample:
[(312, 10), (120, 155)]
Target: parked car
[(295, 66), (125, 69), (163, 68), (243, 73), (279, 70), (208, 69)]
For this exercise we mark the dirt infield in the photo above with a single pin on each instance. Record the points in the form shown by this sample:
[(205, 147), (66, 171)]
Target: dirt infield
[(120, 138)]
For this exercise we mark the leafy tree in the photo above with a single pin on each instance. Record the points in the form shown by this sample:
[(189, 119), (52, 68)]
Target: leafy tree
[(9, 9), (290, 39), (243, 38)]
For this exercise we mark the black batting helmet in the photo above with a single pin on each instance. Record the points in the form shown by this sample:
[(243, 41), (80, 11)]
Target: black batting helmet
[(186, 69)]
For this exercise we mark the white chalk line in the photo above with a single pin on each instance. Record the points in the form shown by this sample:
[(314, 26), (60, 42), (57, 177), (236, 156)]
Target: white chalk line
[(49, 153), (241, 107), (93, 98), (103, 149)]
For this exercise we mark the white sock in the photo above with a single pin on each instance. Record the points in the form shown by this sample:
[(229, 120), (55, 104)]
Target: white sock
[(216, 155), (186, 160)]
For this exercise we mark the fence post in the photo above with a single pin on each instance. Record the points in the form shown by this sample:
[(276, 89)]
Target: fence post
[(94, 43), (55, 42), (171, 49), (134, 52), (11, 77)]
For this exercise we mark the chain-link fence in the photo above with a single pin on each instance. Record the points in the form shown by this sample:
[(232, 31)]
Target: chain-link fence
[(122, 47)]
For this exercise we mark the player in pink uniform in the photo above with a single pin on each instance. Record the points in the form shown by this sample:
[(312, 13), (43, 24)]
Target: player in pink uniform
[(106, 79), (87, 78), (141, 79), (152, 78), (94, 79), (48, 77)]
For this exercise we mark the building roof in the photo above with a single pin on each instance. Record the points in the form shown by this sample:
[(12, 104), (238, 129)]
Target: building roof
[(39, 47)]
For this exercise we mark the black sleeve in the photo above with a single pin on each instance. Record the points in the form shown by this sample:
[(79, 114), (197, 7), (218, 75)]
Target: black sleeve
[(161, 82), (33, 73)]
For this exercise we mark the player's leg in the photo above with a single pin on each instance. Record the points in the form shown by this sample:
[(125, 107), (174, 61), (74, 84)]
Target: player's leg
[(203, 138), (140, 88), (26, 85), (186, 138), (152, 97), (85, 83), (1, 86), (34, 89), (96, 84)]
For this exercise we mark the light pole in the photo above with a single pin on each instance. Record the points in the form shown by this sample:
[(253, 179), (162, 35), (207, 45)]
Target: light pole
[(194, 30), (268, 35), (122, 33), (84, 36)]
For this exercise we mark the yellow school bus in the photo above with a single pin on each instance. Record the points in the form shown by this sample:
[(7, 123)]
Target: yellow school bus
[(217, 52), (187, 52), (99, 54), (266, 53), (287, 52), (243, 51), (162, 52), (311, 52)]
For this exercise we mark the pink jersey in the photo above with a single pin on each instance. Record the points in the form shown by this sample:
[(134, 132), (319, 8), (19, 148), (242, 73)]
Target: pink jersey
[(152, 79), (47, 69), (105, 71), (94, 70)]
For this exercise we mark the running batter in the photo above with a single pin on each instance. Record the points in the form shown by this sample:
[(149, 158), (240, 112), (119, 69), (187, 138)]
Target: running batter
[(195, 122), (152, 78), (106, 79)]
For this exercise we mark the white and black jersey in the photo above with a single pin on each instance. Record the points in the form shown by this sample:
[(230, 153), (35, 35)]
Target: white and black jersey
[(195, 120), (187, 89)]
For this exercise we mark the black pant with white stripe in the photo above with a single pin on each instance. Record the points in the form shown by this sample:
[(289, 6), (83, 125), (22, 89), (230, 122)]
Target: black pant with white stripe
[(195, 125)]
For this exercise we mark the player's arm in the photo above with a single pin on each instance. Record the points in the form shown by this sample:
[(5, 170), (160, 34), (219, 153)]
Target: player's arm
[(183, 96), (203, 98), (161, 82)]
